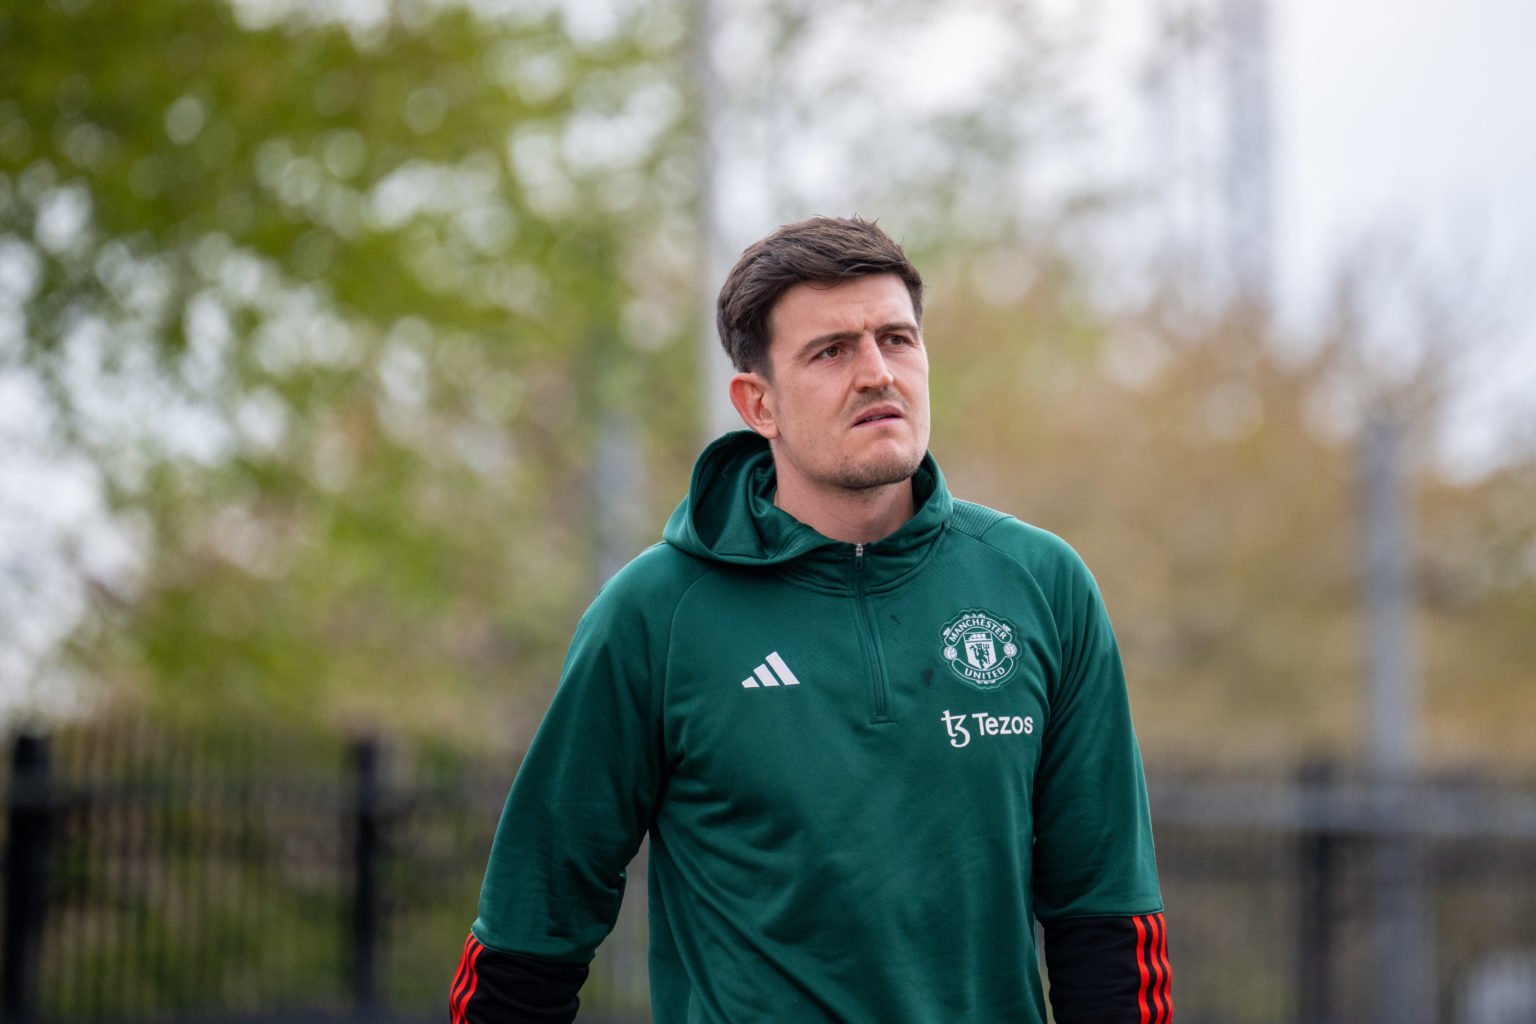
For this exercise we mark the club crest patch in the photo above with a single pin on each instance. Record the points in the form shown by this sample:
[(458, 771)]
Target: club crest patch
[(981, 648)]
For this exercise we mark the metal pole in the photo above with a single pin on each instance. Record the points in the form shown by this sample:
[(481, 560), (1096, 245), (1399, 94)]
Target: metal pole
[(619, 492), (366, 849), (1405, 969), (1248, 171), (714, 366), (1315, 924), (1394, 697), (26, 878)]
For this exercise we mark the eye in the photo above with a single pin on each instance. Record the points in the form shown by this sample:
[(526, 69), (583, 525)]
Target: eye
[(831, 351), (898, 339)]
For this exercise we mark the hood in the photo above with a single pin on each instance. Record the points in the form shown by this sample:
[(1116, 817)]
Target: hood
[(729, 515)]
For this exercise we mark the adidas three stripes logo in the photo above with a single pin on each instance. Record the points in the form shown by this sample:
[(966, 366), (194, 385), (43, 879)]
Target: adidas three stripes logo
[(772, 673), (1153, 997)]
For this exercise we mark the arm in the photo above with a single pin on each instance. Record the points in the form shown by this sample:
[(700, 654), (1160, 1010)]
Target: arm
[(1095, 873), (505, 988), (578, 809), (1109, 969)]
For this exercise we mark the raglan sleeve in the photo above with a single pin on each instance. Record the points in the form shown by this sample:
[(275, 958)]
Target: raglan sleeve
[(1095, 880), (578, 808)]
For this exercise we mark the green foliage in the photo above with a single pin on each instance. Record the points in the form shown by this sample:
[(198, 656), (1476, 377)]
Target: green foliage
[(340, 306), (352, 315)]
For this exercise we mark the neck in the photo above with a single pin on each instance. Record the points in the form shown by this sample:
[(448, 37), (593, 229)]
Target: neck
[(855, 517)]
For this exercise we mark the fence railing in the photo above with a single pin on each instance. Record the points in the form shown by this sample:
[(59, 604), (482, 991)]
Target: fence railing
[(1314, 900), (158, 876)]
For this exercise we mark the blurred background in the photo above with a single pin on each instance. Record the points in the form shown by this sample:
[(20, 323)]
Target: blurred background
[(347, 346)]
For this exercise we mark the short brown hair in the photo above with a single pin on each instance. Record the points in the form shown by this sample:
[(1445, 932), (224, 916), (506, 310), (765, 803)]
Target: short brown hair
[(820, 249)]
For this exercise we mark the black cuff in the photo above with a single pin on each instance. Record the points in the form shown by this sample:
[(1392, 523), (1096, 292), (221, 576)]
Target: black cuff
[(1109, 970), (492, 987)]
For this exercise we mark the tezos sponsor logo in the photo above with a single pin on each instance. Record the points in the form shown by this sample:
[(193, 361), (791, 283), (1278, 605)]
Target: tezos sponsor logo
[(980, 647), (983, 723)]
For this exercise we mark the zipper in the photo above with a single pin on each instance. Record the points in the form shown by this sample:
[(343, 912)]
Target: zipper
[(881, 696)]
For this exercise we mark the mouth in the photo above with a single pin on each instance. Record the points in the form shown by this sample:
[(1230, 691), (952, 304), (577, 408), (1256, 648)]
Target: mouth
[(877, 414)]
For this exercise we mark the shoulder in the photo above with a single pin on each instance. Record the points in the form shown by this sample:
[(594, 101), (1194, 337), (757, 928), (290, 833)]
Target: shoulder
[(1049, 559), (650, 586), (630, 621)]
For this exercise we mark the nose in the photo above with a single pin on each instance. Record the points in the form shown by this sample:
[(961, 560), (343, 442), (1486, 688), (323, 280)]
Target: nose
[(873, 370)]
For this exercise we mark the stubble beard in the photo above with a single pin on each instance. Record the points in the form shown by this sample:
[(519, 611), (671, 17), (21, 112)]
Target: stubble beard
[(851, 475)]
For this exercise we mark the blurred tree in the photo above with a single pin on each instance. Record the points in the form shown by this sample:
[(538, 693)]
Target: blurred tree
[(1207, 472), (339, 301), (331, 294)]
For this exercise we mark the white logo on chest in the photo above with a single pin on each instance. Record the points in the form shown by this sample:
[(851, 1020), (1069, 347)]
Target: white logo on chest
[(773, 672), (985, 724), (982, 648)]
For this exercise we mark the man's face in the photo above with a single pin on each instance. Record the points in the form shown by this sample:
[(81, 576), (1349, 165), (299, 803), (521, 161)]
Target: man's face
[(849, 388)]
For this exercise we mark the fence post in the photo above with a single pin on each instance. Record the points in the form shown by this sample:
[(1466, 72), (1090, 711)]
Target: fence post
[(26, 866), (366, 850), (1317, 841)]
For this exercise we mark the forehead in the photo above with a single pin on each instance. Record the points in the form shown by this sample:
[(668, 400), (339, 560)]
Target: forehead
[(814, 308)]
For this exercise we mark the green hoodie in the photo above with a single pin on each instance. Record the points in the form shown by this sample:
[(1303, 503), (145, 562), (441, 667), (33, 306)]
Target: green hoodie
[(865, 769)]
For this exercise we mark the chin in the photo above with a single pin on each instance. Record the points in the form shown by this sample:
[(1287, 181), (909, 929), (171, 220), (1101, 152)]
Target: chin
[(867, 474)]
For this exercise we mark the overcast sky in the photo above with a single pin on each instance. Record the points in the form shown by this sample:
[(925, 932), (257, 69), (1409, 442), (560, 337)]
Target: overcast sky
[(1403, 123), (1415, 116), (1413, 110)]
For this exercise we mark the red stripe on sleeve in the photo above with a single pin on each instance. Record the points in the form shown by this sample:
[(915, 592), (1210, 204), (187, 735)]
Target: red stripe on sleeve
[(474, 979), (1160, 967), (458, 982), (1162, 959), (1141, 965), (1155, 961), (465, 981)]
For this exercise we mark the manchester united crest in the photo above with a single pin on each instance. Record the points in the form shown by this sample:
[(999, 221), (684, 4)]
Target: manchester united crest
[(981, 648)]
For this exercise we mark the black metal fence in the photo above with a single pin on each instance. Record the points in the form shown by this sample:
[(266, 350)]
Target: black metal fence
[(156, 876), (1326, 900), (160, 876)]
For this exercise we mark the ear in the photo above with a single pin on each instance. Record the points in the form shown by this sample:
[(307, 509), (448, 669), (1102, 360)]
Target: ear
[(752, 395)]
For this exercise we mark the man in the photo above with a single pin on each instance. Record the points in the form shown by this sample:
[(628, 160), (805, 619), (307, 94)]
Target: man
[(874, 732)]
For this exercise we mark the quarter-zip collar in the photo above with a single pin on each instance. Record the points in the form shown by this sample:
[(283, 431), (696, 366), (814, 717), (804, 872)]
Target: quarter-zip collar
[(729, 516)]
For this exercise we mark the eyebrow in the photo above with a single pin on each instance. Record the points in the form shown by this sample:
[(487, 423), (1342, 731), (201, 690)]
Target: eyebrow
[(836, 336)]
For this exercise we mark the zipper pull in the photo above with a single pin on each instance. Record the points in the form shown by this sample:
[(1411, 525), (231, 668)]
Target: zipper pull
[(858, 557)]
